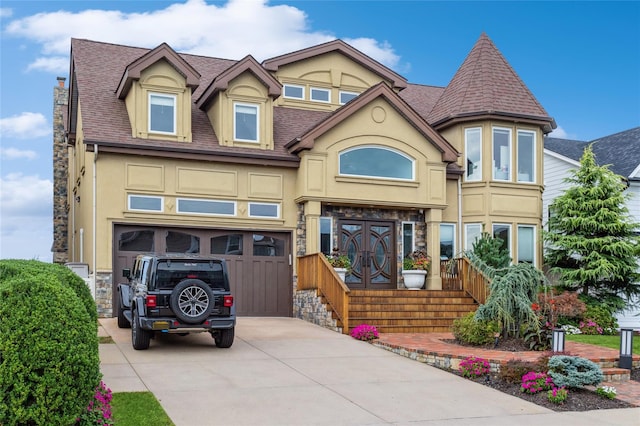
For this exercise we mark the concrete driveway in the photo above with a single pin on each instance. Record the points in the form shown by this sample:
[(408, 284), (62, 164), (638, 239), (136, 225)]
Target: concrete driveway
[(284, 371)]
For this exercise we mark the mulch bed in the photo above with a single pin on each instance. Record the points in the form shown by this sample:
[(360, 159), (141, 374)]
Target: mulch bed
[(577, 399)]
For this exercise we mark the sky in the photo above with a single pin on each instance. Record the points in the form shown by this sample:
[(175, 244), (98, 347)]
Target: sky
[(580, 59)]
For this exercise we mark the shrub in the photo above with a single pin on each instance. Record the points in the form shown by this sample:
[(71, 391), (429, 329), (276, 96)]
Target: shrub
[(602, 317), (364, 332), (513, 370), (472, 367), (557, 395), (567, 307), (474, 332), (574, 372), (49, 362), (607, 391), (533, 382), (17, 267), (98, 411)]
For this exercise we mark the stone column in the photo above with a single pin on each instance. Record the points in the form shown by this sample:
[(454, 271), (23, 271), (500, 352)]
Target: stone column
[(312, 210), (432, 219)]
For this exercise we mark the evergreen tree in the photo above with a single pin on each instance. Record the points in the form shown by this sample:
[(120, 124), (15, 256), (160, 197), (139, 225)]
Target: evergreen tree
[(591, 241), (492, 251)]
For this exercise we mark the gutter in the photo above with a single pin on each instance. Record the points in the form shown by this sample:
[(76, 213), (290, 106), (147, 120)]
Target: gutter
[(95, 220)]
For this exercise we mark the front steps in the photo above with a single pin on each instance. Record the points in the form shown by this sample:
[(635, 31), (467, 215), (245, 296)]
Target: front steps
[(408, 311)]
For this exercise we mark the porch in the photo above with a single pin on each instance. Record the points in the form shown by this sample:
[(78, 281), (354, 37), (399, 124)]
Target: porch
[(390, 311)]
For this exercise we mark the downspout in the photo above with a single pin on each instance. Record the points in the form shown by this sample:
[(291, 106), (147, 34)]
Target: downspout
[(81, 245), (95, 220), (72, 174)]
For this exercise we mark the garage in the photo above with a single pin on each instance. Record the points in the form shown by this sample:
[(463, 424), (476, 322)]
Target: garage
[(259, 262)]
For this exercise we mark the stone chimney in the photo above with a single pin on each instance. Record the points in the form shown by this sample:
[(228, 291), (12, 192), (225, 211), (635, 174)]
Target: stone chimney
[(60, 173)]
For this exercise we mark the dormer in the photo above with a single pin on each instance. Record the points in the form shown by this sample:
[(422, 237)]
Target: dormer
[(239, 104), (156, 89), (327, 76)]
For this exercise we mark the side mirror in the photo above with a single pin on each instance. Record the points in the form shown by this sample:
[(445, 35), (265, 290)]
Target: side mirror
[(126, 273)]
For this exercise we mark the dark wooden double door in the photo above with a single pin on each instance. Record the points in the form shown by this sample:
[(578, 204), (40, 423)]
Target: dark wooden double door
[(371, 247)]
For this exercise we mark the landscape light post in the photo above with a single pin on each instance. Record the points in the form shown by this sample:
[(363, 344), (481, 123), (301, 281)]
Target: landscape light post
[(558, 340), (626, 348)]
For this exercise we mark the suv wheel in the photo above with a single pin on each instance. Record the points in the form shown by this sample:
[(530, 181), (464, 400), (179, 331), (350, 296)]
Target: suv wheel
[(224, 338), (191, 301), (140, 338)]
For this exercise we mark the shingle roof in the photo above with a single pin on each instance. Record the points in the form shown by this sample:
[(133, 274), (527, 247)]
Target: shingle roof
[(486, 84), (621, 150)]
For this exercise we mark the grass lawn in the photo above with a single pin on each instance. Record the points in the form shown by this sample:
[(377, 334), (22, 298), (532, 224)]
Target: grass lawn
[(138, 409), (612, 342)]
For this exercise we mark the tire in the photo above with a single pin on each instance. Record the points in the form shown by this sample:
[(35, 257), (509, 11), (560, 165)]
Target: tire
[(191, 301), (123, 322), (140, 338), (224, 338)]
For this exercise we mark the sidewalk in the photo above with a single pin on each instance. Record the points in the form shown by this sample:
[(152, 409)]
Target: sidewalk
[(284, 371)]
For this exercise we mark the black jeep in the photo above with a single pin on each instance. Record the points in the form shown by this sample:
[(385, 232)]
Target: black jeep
[(176, 294)]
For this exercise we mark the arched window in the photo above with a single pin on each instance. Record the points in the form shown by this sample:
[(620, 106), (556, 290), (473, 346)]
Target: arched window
[(371, 161)]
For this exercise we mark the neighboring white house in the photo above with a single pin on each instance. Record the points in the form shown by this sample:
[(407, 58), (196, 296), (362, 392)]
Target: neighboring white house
[(621, 151)]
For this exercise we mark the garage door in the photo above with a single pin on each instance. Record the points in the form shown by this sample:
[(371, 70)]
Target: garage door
[(258, 262)]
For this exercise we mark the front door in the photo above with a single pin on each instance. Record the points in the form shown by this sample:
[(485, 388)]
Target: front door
[(371, 247)]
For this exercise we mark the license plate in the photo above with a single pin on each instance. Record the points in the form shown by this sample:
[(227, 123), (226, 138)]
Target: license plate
[(161, 325)]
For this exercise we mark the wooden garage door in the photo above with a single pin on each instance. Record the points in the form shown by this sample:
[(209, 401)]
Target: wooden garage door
[(258, 262)]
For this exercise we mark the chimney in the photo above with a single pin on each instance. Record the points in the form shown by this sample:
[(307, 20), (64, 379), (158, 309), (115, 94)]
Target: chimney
[(61, 81)]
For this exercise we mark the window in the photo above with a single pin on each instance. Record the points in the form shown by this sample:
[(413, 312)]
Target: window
[(145, 203), (181, 242), (267, 246), (224, 208), (526, 243), (139, 241), (526, 156), (472, 232), (264, 210), (501, 154), (503, 232), (347, 96), (447, 241), (325, 235), (162, 113), (246, 123), (473, 151), (320, 95), (227, 244), (408, 238), (294, 92), (376, 162)]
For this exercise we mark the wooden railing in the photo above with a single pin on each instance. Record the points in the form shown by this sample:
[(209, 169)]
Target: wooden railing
[(314, 272), (460, 274)]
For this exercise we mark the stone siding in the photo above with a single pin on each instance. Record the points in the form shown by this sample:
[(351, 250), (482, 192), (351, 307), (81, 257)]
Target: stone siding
[(308, 306), (104, 294), (60, 174)]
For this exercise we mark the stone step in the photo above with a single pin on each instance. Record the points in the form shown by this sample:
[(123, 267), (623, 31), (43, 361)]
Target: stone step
[(616, 375)]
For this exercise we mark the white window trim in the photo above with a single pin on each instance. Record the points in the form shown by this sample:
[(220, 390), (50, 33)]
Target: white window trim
[(453, 225), (293, 97), (534, 163), (277, 205), (466, 234), (510, 146), (466, 152), (330, 219), (413, 234), (175, 112), (413, 163), (345, 92), (235, 127), (535, 251), (510, 242), (320, 89), (145, 196), (235, 207)]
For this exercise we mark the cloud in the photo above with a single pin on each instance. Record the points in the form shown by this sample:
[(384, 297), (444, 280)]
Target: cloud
[(560, 133), (28, 125), (24, 196), (5, 12), (14, 154), (218, 30), (53, 64)]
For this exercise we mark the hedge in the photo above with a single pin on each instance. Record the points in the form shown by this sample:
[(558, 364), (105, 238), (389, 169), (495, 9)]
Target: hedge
[(49, 361)]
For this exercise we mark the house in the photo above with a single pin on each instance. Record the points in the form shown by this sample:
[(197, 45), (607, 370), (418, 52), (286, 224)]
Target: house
[(264, 163), (621, 151)]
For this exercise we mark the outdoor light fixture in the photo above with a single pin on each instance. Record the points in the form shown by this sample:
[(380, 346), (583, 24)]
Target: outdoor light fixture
[(558, 340), (626, 348)]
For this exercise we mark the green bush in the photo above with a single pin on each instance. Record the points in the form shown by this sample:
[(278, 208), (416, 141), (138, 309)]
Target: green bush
[(49, 362), (513, 370), (574, 372), (15, 267), (603, 317), (474, 332)]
